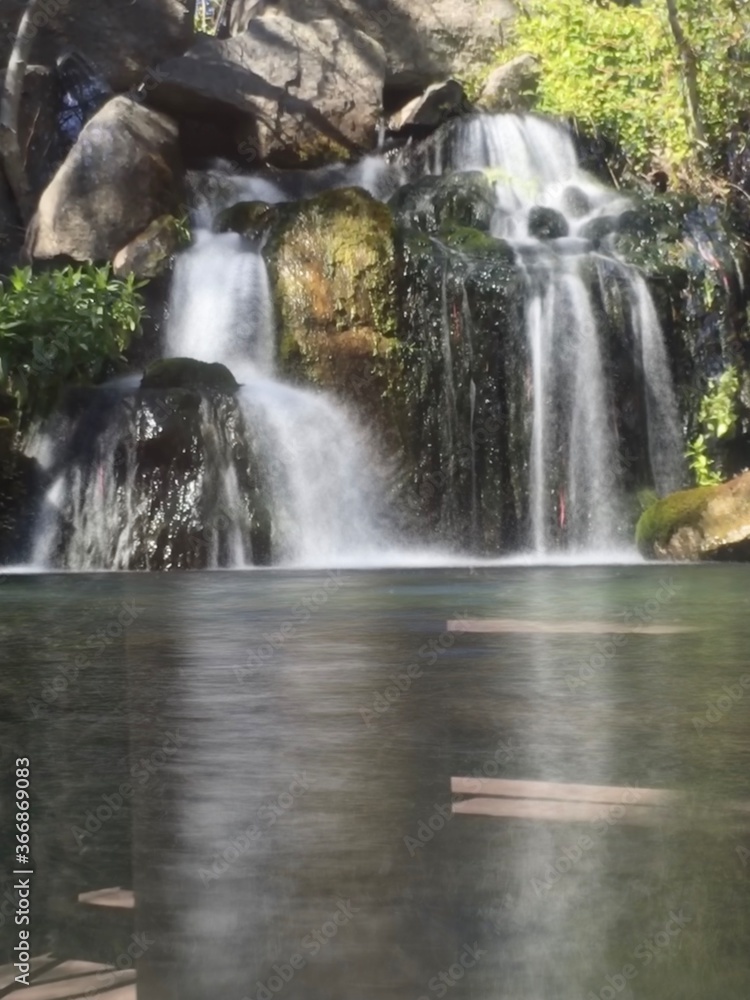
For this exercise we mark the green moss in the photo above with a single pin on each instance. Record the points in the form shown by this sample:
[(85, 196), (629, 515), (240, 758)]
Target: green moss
[(332, 265), (659, 522), (187, 373)]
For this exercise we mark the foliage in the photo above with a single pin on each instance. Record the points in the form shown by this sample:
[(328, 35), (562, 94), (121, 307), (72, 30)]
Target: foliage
[(617, 69), (63, 326), (717, 419)]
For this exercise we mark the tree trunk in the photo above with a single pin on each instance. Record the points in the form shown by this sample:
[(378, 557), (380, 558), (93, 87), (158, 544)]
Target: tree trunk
[(10, 104), (690, 73)]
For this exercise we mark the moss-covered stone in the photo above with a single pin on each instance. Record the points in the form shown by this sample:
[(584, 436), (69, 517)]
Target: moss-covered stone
[(187, 373), (707, 522), (332, 266), (474, 242)]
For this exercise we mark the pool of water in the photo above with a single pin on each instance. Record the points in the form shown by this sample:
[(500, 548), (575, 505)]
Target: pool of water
[(275, 751)]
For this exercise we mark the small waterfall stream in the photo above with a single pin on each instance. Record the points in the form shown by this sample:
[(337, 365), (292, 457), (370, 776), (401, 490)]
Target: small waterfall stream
[(552, 214)]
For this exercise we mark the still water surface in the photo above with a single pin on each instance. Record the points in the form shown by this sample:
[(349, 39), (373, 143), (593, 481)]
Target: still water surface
[(276, 750)]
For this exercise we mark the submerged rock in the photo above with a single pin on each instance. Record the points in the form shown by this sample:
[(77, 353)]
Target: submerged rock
[(708, 522), (122, 173), (460, 198), (187, 373)]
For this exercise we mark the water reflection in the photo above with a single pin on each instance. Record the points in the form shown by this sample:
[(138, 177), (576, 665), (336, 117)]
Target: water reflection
[(290, 750)]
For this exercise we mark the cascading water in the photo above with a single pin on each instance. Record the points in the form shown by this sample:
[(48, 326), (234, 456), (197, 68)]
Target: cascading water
[(314, 458), (279, 473), (556, 217)]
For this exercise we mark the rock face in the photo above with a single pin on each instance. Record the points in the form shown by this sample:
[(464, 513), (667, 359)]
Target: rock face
[(439, 102), (425, 40), (293, 93), (123, 172), (120, 40), (709, 522), (332, 266), (511, 86), (150, 253)]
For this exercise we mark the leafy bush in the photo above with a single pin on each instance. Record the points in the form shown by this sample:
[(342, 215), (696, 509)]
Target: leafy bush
[(617, 69), (64, 326), (717, 418)]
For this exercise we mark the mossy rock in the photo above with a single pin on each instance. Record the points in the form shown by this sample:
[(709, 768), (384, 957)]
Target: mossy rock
[(457, 200), (476, 243), (187, 373), (332, 265), (708, 522), (251, 219)]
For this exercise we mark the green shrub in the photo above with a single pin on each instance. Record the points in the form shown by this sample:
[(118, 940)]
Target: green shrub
[(717, 419), (63, 326), (617, 68)]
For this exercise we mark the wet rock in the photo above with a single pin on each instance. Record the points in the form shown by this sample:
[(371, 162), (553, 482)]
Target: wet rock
[(122, 173), (456, 199), (293, 93), (333, 270), (576, 202), (187, 373), (597, 230), (251, 219), (708, 522), (20, 487), (512, 86), (546, 223), (150, 253)]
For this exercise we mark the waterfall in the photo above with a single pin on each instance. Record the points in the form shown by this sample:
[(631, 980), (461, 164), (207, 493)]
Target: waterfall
[(315, 458), (545, 208)]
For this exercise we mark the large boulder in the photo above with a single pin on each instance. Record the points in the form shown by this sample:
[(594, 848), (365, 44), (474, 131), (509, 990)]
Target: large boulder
[(333, 269), (123, 172), (709, 522), (424, 40), (511, 87), (121, 40), (293, 93)]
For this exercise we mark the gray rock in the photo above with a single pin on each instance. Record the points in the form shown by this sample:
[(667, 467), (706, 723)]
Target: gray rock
[(511, 86), (121, 40), (424, 40), (298, 93), (436, 105), (123, 172)]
